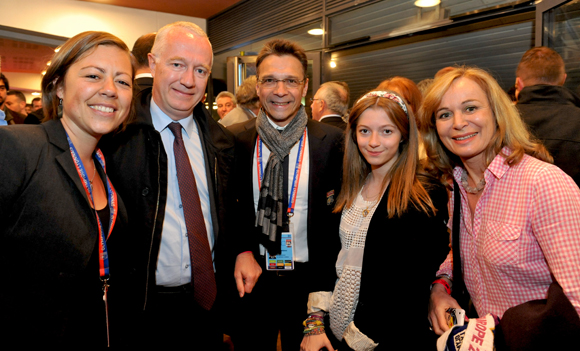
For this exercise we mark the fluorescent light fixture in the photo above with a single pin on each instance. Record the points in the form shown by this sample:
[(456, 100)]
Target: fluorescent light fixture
[(36, 93), (316, 31), (427, 3)]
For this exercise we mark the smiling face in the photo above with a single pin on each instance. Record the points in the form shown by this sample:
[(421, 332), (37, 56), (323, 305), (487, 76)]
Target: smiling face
[(378, 139), (465, 121), (180, 72), (224, 105), (281, 103), (96, 92)]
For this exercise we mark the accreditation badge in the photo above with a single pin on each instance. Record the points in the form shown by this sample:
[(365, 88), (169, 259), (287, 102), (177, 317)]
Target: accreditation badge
[(285, 259)]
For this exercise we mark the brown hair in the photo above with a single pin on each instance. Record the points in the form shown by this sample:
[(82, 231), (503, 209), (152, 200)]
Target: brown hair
[(142, 48), (406, 182), (281, 47), (404, 87), (70, 52), (510, 129), (541, 65)]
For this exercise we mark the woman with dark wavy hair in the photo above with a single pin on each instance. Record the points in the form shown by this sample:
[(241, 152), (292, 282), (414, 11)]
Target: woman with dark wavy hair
[(57, 205), (389, 207)]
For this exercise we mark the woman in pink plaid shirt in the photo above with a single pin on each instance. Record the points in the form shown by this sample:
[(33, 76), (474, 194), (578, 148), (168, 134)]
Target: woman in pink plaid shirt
[(520, 217)]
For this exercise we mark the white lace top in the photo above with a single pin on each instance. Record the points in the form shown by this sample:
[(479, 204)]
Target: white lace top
[(353, 232)]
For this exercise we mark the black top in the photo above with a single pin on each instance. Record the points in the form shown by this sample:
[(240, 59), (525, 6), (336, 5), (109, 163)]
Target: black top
[(553, 115)]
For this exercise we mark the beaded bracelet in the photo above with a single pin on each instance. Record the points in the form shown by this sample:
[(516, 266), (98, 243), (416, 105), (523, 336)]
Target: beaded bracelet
[(313, 325)]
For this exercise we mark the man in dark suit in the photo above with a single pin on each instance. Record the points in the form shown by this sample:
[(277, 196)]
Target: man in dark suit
[(142, 48), (330, 104), (171, 165), (551, 110), (287, 177)]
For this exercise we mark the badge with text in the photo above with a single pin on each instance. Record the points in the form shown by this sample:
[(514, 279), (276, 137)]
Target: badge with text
[(285, 259)]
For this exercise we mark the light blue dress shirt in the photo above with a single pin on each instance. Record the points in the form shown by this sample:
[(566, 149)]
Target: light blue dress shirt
[(173, 265), (2, 119)]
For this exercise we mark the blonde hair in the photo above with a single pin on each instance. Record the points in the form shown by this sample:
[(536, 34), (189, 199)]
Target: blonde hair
[(407, 185), (510, 129)]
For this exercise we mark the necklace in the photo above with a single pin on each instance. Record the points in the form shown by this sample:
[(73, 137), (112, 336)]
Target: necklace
[(366, 211), (94, 172), (370, 205), (478, 187)]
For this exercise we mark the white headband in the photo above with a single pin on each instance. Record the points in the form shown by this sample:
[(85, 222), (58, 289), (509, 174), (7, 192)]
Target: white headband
[(388, 95)]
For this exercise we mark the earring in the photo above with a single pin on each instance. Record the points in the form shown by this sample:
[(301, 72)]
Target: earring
[(59, 102)]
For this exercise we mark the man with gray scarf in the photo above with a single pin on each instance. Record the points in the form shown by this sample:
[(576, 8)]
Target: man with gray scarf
[(288, 171)]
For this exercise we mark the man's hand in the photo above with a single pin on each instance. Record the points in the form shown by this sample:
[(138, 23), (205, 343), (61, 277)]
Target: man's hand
[(247, 272), (439, 302)]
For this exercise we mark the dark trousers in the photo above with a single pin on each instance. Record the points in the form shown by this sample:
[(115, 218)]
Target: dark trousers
[(277, 303), (174, 320)]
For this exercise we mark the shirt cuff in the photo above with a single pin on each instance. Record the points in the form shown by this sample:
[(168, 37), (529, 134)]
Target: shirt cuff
[(319, 301), (357, 340)]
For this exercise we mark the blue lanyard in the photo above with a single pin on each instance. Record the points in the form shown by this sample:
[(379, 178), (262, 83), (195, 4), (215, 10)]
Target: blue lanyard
[(113, 206)]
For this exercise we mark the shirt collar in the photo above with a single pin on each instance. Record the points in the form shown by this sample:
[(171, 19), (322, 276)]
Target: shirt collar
[(277, 127), (323, 117), (143, 75), (161, 120), (497, 167)]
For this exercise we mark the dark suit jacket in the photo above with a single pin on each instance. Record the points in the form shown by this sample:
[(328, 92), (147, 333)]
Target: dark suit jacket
[(141, 84), (334, 121), (137, 164), (325, 145), (51, 292)]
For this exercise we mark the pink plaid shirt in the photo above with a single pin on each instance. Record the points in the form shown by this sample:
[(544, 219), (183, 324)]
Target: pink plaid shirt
[(526, 225)]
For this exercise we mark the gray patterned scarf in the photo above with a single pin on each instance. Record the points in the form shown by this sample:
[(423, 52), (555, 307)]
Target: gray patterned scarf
[(271, 204)]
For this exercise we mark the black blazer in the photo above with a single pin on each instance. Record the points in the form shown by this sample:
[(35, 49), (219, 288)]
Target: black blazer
[(336, 121), (401, 257), (141, 84), (51, 292), (325, 145)]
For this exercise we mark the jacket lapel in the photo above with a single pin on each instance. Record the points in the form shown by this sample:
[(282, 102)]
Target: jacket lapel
[(317, 157), (57, 137)]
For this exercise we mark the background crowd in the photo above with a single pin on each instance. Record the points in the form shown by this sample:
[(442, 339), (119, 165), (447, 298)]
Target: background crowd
[(130, 217)]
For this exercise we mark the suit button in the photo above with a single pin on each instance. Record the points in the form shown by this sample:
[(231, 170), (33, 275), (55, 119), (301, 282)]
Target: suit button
[(145, 192)]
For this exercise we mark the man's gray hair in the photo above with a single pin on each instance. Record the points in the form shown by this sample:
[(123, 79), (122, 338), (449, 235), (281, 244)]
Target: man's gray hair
[(336, 97), (161, 38), (226, 94), (247, 95)]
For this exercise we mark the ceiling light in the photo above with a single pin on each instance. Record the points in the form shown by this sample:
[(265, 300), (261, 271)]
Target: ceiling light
[(36, 93), (427, 3), (316, 31)]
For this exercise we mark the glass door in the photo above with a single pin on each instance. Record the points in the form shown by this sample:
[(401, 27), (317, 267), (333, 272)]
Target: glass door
[(558, 27)]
